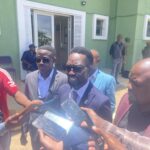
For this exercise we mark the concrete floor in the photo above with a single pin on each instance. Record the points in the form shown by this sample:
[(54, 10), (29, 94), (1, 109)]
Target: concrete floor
[(15, 143)]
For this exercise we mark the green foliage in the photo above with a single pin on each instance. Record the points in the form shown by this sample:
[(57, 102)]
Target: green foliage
[(43, 39)]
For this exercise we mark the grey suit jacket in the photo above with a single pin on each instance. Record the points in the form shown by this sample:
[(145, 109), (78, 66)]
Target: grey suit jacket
[(31, 91), (31, 84)]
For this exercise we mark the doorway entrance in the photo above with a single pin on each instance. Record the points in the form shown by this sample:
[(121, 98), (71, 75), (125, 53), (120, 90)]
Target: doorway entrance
[(55, 31), (63, 33)]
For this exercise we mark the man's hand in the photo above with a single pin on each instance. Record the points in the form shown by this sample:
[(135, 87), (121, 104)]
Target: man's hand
[(17, 119), (97, 120), (112, 142), (49, 143)]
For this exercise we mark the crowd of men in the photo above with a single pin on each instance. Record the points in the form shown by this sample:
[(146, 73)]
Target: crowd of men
[(91, 89)]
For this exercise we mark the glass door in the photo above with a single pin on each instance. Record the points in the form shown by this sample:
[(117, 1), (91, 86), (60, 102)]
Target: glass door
[(43, 28)]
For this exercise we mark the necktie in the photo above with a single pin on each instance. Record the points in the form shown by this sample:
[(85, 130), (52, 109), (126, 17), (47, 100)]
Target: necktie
[(74, 95)]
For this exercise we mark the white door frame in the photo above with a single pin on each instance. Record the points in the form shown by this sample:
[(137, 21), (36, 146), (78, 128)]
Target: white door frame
[(35, 13), (24, 8)]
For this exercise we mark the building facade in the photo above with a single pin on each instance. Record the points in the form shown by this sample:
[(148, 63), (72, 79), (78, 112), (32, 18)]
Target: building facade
[(68, 23)]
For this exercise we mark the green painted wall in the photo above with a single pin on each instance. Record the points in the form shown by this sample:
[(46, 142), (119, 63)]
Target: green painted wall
[(126, 25), (101, 7), (142, 10), (8, 28), (125, 17)]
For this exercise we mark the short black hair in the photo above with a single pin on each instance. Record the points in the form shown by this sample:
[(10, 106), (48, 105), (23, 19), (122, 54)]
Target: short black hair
[(84, 51), (48, 48), (32, 46)]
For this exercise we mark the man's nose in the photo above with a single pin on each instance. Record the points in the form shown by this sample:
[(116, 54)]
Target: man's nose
[(71, 72)]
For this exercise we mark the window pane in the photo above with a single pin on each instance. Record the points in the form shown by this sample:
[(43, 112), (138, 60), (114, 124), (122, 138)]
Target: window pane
[(148, 29), (44, 29), (99, 27)]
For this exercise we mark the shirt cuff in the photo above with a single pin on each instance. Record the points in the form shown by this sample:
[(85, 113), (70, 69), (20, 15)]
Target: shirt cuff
[(3, 128)]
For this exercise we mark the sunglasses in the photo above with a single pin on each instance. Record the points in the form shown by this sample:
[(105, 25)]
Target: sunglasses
[(44, 60), (74, 68)]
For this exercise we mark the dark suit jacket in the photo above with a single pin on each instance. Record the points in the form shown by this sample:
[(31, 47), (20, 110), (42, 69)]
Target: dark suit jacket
[(92, 98)]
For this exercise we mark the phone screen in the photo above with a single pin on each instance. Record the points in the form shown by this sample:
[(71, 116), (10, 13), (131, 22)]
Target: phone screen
[(53, 125), (75, 113)]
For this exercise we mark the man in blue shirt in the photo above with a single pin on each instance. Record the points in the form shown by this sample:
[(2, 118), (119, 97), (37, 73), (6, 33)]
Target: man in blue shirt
[(29, 59), (103, 81)]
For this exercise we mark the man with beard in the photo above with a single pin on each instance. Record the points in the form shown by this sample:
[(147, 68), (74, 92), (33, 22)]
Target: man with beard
[(133, 112), (43, 84), (80, 89)]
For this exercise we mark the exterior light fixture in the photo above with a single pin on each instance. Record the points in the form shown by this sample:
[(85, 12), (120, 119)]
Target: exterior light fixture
[(83, 2)]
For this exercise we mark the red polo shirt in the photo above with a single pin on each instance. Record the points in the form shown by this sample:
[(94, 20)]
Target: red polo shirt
[(7, 86)]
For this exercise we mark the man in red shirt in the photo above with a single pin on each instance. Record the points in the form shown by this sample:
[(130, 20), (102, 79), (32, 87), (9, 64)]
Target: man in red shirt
[(8, 86)]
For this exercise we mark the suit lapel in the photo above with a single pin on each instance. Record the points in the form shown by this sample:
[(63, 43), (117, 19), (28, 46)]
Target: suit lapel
[(35, 81), (53, 80), (87, 96)]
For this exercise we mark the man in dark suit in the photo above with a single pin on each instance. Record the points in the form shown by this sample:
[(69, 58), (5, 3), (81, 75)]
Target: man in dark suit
[(78, 67)]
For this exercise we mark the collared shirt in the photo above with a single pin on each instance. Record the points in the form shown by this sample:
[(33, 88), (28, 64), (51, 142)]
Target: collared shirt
[(81, 92), (132, 140), (106, 84), (43, 85), (2, 128)]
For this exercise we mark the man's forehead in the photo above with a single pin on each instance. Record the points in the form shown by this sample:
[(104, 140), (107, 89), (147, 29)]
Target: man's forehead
[(76, 58), (139, 74), (43, 51)]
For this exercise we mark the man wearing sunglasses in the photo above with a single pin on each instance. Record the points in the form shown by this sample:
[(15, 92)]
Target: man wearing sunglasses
[(43, 84), (78, 68)]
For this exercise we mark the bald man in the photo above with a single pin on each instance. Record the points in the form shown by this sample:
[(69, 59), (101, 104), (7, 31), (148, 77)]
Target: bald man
[(133, 112), (103, 81)]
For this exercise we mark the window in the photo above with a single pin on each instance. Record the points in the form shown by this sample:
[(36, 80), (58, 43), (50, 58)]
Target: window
[(100, 27), (146, 31), (43, 28)]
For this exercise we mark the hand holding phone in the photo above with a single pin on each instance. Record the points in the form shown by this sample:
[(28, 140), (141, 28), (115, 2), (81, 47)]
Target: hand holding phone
[(75, 113)]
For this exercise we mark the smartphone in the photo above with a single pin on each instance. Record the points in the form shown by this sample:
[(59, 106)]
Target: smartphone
[(50, 127), (72, 109), (62, 129)]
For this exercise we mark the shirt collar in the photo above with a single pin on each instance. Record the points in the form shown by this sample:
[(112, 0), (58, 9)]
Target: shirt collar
[(49, 77), (81, 91), (94, 75)]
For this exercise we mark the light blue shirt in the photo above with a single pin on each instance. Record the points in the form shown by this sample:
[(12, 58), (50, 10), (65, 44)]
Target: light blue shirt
[(43, 85), (80, 92), (2, 128), (106, 83)]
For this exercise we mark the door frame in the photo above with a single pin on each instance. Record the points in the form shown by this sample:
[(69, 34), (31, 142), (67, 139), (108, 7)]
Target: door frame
[(24, 8), (35, 13)]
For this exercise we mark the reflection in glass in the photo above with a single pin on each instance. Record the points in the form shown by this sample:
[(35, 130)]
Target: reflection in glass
[(99, 27), (44, 30), (148, 29)]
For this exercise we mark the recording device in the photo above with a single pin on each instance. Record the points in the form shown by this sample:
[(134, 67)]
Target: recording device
[(53, 125), (75, 113), (62, 129), (66, 128)]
